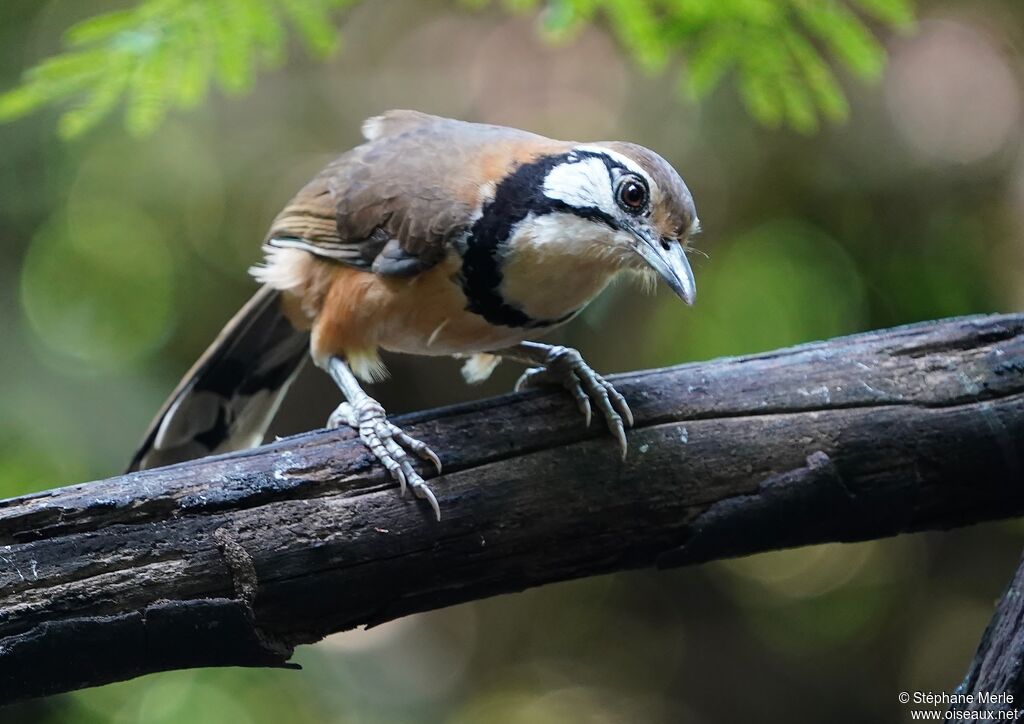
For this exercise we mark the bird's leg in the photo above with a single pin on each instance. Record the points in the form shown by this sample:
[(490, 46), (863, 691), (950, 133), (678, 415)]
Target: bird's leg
[(564, 366), (386, 441)]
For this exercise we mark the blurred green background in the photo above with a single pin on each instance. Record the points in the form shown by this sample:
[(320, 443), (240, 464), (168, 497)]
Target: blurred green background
[(123, 256)]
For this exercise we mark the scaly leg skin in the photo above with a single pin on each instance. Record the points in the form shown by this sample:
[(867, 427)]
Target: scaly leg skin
[(564, 366), (388, 443)]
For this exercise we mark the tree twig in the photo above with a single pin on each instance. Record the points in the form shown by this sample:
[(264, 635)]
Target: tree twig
[(235, 560), (995, 679)]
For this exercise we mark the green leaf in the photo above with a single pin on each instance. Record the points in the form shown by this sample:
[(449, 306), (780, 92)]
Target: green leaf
[(100, 28), (232, 45), (149, 99), (897, 13), (312, 20), (99, 103), (637, 26), (21, 101), (69, 68), (760, 98), (799, 108), (195, 66), (520, 6), (267, 31), (163, 54), (819, 77), (711, 59), (559, 19), (845, 35)]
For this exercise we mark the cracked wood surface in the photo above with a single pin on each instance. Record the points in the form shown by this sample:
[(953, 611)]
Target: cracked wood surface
[(998, 665), (235, 560)]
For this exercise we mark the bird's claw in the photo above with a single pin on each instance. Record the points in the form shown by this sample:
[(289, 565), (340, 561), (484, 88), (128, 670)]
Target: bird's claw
[(564, 366), (390, 445)]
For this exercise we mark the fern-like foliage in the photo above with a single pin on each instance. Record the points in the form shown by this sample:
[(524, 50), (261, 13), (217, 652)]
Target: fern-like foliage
[(166, 53), (162, 54), (778, 50)]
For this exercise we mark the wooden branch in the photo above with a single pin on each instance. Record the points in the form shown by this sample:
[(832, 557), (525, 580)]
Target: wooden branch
[(234, 560), (995, 680)]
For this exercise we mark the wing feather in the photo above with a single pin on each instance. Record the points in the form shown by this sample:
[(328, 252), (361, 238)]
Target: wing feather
[(395, 204)]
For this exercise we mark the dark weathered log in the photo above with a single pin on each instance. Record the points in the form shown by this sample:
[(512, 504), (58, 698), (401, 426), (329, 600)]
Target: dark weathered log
[(995, 680), (234, 560)]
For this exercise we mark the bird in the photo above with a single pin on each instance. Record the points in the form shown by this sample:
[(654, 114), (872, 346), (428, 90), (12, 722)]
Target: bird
[(434, 236)]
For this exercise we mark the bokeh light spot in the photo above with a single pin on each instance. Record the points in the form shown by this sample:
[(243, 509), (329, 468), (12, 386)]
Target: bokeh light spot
[(803, 572), (96, 286), (178, 179), (783, 283), (951, 93), (25, 465)]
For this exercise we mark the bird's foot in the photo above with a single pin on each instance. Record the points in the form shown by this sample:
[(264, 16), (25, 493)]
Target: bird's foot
[(390, 445), (564, 366)]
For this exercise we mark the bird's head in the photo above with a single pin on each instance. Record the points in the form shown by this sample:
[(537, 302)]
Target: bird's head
[(642, 211)]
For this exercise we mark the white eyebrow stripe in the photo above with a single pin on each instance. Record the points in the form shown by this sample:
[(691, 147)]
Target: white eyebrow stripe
[(626, 161)]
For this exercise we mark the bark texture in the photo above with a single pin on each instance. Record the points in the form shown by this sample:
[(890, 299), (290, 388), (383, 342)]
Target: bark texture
[(995, 680), (235, 560)]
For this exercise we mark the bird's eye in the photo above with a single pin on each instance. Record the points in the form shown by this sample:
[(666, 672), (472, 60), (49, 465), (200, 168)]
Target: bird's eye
[(632, 194)]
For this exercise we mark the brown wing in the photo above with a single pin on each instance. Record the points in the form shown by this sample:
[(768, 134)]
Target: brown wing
[(395, 203)]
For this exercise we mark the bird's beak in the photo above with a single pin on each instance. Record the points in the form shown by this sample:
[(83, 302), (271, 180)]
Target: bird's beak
[(671, 264)]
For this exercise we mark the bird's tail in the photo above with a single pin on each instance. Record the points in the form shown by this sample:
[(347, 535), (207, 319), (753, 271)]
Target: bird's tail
[(228, 398)]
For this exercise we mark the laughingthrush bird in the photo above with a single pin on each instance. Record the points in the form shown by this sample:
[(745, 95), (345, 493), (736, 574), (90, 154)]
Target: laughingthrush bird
[(434, 237)]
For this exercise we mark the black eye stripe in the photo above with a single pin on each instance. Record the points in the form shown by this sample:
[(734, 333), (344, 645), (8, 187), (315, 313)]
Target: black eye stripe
[(617, 170)]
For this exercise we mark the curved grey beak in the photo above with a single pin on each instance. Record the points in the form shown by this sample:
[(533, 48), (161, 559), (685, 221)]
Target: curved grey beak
[(671, 265)]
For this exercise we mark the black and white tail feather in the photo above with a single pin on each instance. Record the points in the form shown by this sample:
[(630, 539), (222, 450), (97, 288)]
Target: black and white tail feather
[(228, 399)]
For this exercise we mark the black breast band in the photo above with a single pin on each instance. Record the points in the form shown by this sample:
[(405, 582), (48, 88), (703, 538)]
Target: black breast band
[(517, 196)]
